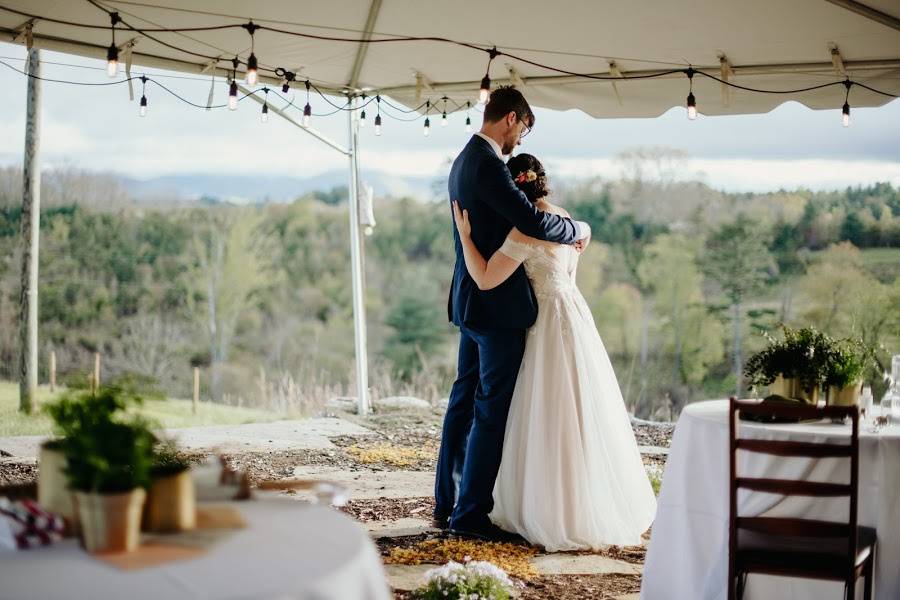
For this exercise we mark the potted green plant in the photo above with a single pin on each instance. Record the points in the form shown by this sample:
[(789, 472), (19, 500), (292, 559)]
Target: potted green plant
[(793, 367), (108, 453), (847, 362), (171, 500)]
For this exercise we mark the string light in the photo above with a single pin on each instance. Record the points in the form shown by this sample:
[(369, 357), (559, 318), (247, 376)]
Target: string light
[(485, 92), (143, 110), (112, 53), (427, 130), (232, 87), (378, 116), (264, 117), (252, 76), (307, 110), (288, 78), (691, 101), (444, 114), (845, 110), (362, 115), (468, 118)]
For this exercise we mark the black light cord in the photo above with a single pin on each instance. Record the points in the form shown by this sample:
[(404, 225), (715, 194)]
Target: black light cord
[(492, 52), (289, 102)]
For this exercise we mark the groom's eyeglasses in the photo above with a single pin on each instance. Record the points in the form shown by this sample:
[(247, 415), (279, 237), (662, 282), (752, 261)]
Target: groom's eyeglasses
[(525, 129)]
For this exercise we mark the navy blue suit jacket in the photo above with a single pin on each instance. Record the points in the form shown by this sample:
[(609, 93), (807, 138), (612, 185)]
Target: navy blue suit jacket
[(482, 184)]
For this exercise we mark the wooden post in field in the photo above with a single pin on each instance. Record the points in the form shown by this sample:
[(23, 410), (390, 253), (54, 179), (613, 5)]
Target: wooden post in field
[(53, 370), (196, 389), (31, 222), (95, 380)]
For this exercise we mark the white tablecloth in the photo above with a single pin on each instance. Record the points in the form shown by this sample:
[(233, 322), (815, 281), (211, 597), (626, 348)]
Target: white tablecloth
[(288, 550), (688, 554)]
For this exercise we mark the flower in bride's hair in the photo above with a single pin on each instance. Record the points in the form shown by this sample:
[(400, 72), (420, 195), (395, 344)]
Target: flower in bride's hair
[(524, 176)]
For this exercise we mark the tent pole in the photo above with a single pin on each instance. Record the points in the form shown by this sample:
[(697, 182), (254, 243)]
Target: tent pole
[(356, 268), (31, 220)]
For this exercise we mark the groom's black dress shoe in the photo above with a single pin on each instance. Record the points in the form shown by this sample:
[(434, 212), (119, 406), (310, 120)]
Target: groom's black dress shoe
[(488, 534), (440, 522)]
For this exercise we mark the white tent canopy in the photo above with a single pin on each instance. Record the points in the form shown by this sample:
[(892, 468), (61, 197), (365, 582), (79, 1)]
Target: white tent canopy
[(601, 57), (767, 44)]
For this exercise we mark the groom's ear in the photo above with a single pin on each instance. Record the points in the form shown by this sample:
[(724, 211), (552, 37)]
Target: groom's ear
[(511, 118)]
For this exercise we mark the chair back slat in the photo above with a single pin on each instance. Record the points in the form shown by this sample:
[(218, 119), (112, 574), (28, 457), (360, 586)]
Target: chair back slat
[(795, 527), (791, 487), (804, 412), (788, 448)]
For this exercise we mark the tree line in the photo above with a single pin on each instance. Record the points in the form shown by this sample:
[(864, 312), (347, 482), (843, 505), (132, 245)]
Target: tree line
[(681, 279)]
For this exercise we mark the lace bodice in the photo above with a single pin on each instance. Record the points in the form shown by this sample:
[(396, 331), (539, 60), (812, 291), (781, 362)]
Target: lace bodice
[(550, 266)]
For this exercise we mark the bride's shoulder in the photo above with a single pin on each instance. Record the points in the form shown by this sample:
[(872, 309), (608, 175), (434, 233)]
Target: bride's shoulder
[(545, 205), (517, 236)]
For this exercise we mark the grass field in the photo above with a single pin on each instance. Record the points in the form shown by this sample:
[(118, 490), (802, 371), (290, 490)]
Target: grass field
[(168, 413), (883, 263)]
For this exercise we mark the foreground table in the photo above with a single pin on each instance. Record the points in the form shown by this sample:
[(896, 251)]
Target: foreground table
[(688, 553), (288, 550)]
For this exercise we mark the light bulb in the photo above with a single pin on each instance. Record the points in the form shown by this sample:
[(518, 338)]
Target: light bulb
[(691, 106), (368, 230), (427, 130), (307, 113), (377, 124), (143, 106), (444, 120), (845, 116), (264, 116), (252, 76), (468, 125), (362, 119), (232, 96), (112, 60), (485, 92)]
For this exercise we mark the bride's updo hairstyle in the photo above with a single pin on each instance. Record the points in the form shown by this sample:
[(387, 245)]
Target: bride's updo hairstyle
[(529, 175)]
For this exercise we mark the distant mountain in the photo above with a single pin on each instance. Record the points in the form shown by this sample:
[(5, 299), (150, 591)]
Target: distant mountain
[(241, 189)]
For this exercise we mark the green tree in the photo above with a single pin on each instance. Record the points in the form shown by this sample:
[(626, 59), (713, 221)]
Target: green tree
[(690, 335), (418, 324), (227, 247), (737, 258)]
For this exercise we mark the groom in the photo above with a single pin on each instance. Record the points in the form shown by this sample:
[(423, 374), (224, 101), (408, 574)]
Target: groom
[(492, 323)]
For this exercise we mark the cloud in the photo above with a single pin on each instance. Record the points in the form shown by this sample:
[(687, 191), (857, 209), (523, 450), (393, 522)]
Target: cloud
[(98, 128), (747, 175)]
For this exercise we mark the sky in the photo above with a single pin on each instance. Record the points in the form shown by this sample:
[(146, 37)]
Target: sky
[(98, 128)]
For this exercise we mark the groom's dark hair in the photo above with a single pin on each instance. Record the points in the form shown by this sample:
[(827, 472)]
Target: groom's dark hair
[(504, 100)]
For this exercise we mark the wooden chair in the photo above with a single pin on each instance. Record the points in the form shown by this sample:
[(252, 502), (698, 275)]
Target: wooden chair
[(794, 547)]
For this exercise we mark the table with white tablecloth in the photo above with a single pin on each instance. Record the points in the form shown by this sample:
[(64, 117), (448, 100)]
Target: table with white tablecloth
[(289, 550), (688, 553)]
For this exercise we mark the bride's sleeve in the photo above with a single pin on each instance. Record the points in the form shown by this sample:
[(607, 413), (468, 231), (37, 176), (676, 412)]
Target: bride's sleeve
[(515, 250)]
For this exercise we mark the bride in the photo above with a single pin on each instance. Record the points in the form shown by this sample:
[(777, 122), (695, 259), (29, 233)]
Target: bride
[(571, 476)]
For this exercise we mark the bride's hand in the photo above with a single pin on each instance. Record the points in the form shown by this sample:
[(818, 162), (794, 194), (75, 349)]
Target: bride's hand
[(462, 220)]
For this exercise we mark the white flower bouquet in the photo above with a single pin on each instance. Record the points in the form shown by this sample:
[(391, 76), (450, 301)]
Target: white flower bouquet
[(475, 580)]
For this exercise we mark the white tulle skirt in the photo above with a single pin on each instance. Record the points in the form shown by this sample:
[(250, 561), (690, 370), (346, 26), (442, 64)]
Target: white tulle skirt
[(571, 477)]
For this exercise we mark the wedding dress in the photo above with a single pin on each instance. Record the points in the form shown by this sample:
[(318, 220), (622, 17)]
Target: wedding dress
[(571, 476)]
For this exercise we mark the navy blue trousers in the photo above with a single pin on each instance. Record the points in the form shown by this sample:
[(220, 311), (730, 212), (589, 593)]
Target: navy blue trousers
[(472, 437)]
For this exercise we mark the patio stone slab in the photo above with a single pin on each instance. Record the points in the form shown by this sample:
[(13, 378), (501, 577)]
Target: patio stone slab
[(400, 528), (582, 564), (406, 577), (368, 484), (304, 434)]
